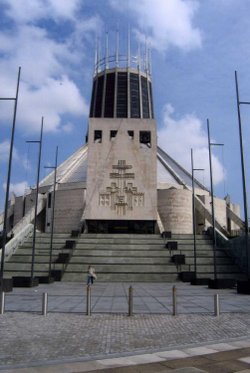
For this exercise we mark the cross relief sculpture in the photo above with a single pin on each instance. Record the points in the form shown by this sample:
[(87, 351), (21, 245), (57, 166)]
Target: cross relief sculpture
[(121, 195)]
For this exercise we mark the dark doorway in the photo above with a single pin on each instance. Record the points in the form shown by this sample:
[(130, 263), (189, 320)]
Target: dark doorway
[(121, 226)]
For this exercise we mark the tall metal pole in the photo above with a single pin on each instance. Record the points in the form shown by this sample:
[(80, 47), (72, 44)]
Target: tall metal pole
[(212, 201), (194, 213), (8, 180), (212, 197), (243, 172), (53, 213), (36, 202)]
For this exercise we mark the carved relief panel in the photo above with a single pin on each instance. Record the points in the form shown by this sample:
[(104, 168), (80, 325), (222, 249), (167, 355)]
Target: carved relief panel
[(121, 195)]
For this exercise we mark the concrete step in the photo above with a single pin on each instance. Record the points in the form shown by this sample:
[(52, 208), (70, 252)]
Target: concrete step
[(122, 247), (28, 258), (208, 260), (120, 260), (121, 257), (25, 273), (124, 277), (203, 268), (234, 275), (117, 252), (127, 268)]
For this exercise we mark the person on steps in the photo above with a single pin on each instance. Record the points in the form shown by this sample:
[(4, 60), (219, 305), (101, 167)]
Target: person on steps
[(91, 275)]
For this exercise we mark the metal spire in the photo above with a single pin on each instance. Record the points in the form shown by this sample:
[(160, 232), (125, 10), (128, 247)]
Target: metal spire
[(139, 56), (129, 46), (117, 48), (96, 56), (107, 51)]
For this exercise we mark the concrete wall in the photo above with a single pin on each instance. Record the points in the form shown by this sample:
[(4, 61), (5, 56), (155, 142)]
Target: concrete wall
[(22, 205), (219, 211), (175, 209), (69, 205), (121, 176), (236, 209), (18, 209)]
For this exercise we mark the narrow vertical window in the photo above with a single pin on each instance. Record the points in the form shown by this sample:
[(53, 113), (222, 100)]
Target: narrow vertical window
[(113, 134), (49, 200), (99, 94), (110, 95), (145, 103), (134, 96), (98, 136), (122, 96), (145, 138), (131, 135)]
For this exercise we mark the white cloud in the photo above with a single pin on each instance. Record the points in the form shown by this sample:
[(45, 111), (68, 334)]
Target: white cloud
[(167, 23), (178, 136), (23, 11), (51, 100), (4, 151), (48, 62), (16, 156), (18, 189), (68, 128)]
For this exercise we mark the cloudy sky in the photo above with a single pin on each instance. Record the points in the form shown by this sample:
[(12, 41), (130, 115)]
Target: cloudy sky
[(196, 47)]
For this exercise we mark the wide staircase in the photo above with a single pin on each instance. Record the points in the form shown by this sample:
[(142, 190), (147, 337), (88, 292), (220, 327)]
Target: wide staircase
[(225, 266), (121, 257), (20, 263)]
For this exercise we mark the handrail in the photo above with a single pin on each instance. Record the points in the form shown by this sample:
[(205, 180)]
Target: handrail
[(16, 241), (23, 228)]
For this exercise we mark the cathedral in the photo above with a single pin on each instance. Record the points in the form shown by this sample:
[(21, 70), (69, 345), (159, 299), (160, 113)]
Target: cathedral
[(120, 181)]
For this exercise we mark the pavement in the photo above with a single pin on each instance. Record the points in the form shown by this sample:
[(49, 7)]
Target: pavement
[(152, 340)]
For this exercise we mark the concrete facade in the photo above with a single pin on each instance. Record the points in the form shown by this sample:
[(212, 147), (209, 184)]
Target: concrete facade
[(69, 206), (121, 176)]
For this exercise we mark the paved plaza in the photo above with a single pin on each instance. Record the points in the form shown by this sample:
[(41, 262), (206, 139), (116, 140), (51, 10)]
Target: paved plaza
[(148, 298), (67, 340)]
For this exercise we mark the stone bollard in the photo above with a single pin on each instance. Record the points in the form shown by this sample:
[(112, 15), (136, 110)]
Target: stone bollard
[(130, 301), (2, 303), (174, 297), (88, 301), (45, 304), (216, 305)]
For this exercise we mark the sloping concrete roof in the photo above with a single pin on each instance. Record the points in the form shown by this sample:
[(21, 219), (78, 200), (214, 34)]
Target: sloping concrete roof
[(74, 169)]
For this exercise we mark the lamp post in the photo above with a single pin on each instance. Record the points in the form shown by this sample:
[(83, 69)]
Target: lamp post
[(36, 202), (4, 233), (194, 213), (243, 171), (212, 198), (53, 212)]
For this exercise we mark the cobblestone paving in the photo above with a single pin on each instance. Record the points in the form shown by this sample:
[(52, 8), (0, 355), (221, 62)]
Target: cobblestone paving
[(32, 338)]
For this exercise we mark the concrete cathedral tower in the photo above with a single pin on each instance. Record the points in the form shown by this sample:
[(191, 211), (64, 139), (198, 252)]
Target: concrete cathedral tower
[(122, 151), (120, 181)]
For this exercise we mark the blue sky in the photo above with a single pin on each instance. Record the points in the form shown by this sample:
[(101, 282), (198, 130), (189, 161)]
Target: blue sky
[(196, 47)]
